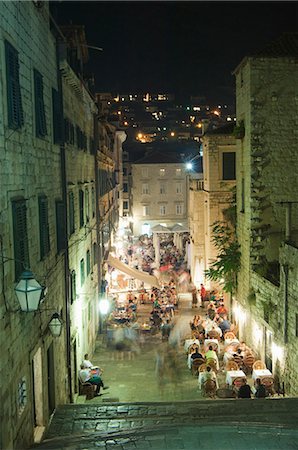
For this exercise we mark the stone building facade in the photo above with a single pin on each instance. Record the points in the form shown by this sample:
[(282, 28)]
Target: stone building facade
[(33, 362), (210, 196), (159, 192), (109, 168), (80, 136), (267, 164)]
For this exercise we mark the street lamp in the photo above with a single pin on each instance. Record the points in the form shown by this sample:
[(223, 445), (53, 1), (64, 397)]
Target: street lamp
[(104, 306), (55, 325), (28, 292)]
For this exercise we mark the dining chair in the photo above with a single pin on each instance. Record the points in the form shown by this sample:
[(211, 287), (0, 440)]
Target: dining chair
[(259, 365), (229, 335), (238, 360), (232, 365), (268, 382), (212, 363), (248, 362), (196, 363), (213, 334), (203, 367), (209, 388)]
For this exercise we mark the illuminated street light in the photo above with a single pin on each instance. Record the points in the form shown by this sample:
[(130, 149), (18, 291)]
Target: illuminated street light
[(28, 292)]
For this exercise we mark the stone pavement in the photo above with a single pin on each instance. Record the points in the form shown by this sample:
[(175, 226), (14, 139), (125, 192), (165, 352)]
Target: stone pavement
[(219, 424), (143, 417)]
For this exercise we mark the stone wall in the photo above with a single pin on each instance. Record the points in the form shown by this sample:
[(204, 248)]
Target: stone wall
[(266, 178), (29, 167), (79, 109)]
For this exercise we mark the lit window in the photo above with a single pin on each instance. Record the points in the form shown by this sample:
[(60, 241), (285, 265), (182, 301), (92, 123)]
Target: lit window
[(162, 188), (145, 210), (179, 209), (145, 172), (145, 189), (178, 172), (178, 188), (162, 172), (162, 210)]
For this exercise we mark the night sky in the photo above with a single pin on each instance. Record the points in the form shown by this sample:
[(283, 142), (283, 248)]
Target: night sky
[(179, 47)]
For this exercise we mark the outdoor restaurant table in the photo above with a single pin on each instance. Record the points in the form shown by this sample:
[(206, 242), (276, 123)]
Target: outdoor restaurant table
[(261, 373), (201, 374), (232, 374), (231, 341), (189, 342), (213, 343)]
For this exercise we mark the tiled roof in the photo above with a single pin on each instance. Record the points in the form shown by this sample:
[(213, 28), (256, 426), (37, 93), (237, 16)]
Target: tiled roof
[(156, 157)]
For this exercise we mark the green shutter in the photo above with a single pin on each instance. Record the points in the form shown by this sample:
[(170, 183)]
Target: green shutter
[(88, 262), (71, 213), (40, 116), (81, 208), (44, 233), (57, 131), (20, 236), (73, 287), (14, 99), (82, 269), (60, 226)]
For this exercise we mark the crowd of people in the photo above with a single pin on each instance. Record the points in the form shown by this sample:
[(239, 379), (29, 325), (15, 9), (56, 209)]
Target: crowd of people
[(207, 342), (213, 348)]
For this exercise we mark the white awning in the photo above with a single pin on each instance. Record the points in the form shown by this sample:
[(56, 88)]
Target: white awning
[(134, 273)]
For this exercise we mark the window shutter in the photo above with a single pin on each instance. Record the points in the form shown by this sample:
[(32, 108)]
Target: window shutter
[(81, 207), (94, 254), (44, 233), (82, 270), (88, 262), (71, 213), (60, 226), (73, 288), (20, 236), (14, 99), (57, 131), (40, 116)]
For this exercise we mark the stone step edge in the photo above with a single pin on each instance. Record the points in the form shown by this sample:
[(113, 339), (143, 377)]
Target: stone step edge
[(141, 431)]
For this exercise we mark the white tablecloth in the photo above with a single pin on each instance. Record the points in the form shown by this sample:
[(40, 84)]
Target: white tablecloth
[(231, 341), (202, 376), (232, 374), (261, 373), (213, 342), (189, 342)]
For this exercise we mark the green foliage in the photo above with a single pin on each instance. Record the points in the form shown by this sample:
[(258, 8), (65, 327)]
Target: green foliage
[(230, 212), (227, 265)]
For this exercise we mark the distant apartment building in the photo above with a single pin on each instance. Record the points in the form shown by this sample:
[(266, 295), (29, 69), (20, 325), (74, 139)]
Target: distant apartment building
[(159, 192), (209, 195), (267, 210)]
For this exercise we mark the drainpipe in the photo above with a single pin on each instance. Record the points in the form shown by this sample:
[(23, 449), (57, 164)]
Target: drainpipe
[(286, 305), (288, 221), (66, 253)]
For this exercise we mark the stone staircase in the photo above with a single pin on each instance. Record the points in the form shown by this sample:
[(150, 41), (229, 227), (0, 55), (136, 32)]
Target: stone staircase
[(127, 425)]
